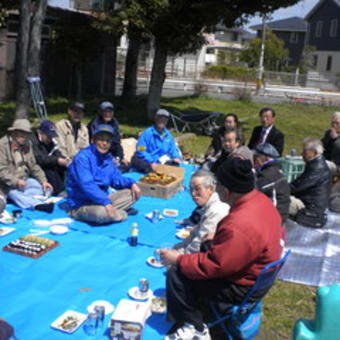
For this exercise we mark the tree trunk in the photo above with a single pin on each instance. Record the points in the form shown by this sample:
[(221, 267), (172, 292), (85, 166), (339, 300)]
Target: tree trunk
[(22, 91), (131, 67), (157, 79)]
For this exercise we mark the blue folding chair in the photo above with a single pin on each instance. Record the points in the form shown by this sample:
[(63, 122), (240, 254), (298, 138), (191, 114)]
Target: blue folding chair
[(245, 319)]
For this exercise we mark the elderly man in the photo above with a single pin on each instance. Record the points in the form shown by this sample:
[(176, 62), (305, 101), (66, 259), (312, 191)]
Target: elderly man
[(21, 178), (156, 146), (331, 144), (312, 188), (232, 144), (245, 242), (89, 178), (270, 179), (106, 116), (73, 135), (210, 209), (48, 155), (267, 132)]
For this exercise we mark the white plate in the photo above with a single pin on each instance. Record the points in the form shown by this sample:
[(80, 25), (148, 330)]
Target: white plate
[(156, 306), (153, 263), (59, 230), (109, 307), (183, 233), (6, 218), (135, 293), (80, 317), (170, 212), (6, 230)]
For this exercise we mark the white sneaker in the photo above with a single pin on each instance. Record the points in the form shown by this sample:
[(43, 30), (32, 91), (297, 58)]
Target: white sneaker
[(189, 332)]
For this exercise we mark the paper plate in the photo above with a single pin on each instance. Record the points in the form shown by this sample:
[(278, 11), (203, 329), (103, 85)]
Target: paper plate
[(59, 230), (135, 293), (75, 320), (151, 261), (109, 307)]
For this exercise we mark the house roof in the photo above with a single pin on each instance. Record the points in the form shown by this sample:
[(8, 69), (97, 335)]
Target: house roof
[(295, 24), (317, 6)]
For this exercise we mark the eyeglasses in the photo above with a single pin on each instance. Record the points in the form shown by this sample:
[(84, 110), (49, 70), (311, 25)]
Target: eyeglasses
[(335, 123)]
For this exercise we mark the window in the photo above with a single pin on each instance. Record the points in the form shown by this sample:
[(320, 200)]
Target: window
[(329, 63), (234, 36), (318, 31), (315, 60), (294, 37), (333, 32), (210, 51)]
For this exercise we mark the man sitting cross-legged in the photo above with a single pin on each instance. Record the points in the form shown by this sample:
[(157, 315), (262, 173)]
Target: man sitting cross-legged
[(89, 177), (245, 242)]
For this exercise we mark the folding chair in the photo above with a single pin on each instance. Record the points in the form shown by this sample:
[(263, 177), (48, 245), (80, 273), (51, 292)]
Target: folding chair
[(245, 319), (206, 121), (37, 97)]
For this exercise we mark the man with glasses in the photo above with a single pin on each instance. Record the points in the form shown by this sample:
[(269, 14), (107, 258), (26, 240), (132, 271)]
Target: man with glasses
[(72, 133), (331, 144), (156, 146), (89, 178)]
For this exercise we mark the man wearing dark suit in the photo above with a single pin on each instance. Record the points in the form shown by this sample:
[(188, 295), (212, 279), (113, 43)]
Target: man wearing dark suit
[(267, 132)]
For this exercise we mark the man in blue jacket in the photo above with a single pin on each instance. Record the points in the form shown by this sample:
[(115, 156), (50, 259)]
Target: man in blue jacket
[(89, 177), (156, 146)]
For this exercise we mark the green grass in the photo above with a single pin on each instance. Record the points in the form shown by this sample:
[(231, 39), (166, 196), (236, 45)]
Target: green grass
[(286, 302)]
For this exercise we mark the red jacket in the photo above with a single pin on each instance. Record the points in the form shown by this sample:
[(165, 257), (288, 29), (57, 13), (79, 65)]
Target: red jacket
[(245, 241)]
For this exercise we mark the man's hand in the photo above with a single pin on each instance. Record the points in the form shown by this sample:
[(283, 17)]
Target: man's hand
[(135, 191), (176, 160), (21, 184), (63, 161), (208, 237), (111, 211), (47, 186), (168, 256), (153, 166), (125, 161)]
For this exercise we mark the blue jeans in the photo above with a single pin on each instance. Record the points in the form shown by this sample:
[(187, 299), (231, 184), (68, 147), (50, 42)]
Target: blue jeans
[(25, 198)]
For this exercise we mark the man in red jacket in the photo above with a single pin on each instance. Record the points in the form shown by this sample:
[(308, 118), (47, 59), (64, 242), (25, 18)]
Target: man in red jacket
[(245, 241)]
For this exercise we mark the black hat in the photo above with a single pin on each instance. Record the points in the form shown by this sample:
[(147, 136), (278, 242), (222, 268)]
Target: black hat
[(77, 106), (48, 128), (236, 174), (266, 149)]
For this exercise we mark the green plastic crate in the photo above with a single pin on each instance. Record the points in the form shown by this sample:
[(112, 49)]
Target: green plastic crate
[(292, 167)]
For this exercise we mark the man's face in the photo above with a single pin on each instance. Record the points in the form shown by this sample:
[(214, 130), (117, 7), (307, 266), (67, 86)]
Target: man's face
[(103, 140), (161, 122), (335, 124), (107, 115), (229, 122), (45, 138), (199, 192), (308, 154), (20, 137), (229, 142), (259, 160), (75, 115), (267, 118)]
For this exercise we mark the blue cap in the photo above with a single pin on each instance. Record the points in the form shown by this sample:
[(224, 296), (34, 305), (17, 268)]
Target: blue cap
[(104, 128), (48, 128), (106, 106), (266, 149)]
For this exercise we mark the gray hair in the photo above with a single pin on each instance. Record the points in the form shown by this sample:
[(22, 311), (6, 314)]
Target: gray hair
[(335, 114), (313, 144), (208, 178)]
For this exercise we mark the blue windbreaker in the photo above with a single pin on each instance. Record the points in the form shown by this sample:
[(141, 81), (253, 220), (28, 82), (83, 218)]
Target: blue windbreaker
[(151, 145), (90, 175)]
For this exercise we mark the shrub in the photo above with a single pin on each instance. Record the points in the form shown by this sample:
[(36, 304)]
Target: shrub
[(230, 72)]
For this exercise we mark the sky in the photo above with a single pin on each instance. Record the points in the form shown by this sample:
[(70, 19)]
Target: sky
[(300, 10)]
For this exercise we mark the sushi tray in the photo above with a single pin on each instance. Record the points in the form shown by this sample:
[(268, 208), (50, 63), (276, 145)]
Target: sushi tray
[(31, 246)]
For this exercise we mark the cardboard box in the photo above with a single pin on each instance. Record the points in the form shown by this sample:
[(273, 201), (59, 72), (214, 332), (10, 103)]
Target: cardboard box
[(128, 320), (164, 191)]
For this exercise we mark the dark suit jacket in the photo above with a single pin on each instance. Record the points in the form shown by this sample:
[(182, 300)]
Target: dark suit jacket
[(275, 138)]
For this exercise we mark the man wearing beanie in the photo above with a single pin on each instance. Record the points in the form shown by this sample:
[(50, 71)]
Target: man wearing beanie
[(245, 242)]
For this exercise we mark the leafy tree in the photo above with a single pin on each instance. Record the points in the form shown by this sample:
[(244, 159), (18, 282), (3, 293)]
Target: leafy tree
[(274, 54)]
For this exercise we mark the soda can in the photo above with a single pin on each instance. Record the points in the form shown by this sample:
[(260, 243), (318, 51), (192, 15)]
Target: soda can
[(143, 285)]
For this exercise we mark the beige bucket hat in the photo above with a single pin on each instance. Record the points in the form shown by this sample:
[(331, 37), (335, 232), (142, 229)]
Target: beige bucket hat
[(21, 124)]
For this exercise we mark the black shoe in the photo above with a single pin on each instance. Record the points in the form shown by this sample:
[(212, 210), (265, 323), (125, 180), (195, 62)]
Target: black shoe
[(131, 211), (47, 207)]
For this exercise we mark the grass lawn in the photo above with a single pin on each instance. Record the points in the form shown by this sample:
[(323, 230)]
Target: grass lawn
[(286, 302)]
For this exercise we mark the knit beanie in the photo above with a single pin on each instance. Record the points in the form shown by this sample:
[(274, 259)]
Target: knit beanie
[(236, 175)]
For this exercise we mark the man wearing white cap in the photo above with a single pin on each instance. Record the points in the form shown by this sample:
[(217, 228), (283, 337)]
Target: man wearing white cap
[(156, 146), (21, 178)]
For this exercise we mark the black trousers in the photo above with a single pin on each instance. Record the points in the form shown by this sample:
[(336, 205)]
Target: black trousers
[(56, 177), (143, 166), (183, 296)]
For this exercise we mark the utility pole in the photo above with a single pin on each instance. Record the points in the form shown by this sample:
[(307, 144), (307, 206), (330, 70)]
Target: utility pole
[(260, 68)]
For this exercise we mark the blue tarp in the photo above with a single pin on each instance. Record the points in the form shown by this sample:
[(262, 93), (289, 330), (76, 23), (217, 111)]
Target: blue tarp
[(91, 263)]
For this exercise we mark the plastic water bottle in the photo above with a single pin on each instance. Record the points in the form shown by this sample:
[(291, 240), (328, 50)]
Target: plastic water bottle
[(134, 235)]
